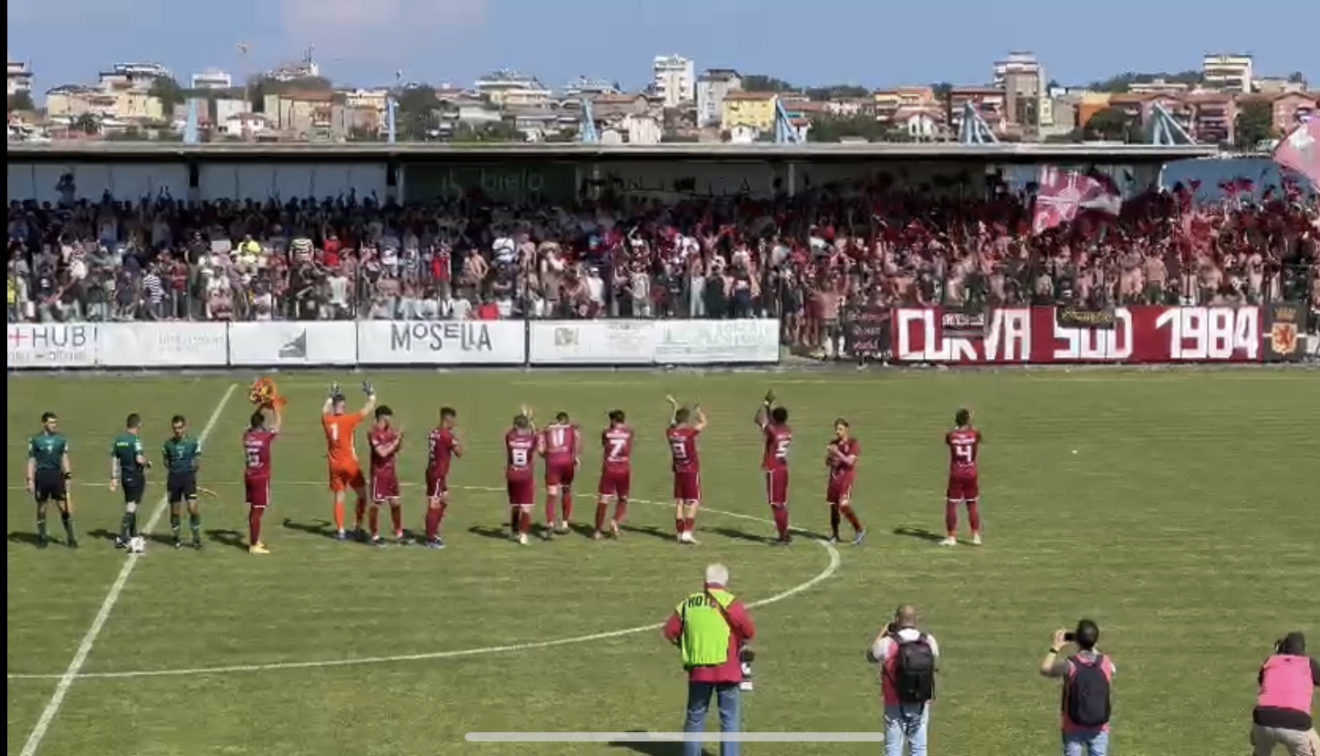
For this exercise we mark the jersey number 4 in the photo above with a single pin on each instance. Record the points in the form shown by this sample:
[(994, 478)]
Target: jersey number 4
[(963, 452)]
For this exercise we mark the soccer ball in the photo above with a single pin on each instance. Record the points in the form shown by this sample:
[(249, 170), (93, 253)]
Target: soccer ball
[(137, 545)]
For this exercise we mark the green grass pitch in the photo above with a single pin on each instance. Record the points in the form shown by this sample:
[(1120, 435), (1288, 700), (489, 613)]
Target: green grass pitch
[(1184, 523)]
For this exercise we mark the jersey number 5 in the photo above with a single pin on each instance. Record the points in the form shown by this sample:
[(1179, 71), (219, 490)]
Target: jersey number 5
[(253, 458), (781, 448)]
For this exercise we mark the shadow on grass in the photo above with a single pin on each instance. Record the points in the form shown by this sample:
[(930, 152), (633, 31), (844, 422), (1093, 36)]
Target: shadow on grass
[(317, 528), (582, 529), (487, 531), (654, 749), (649, 530), (31, 539), (230, 538), (740, 535), (101, 534), (920, 533)]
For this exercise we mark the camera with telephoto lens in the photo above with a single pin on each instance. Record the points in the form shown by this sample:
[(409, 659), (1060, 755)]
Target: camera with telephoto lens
[(1069, 637), (746, 656)]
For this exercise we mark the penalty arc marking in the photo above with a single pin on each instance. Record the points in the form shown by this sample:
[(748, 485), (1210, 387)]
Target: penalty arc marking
[(835, 560)]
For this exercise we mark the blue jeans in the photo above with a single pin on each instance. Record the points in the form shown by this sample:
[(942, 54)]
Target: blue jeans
[(1086, 743), (906, 723), (698, 704)]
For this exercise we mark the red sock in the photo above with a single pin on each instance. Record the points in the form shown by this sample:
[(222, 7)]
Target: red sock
[(600, 514), (781, 520), (689, 524), (432, 522), (974, 517), (373, 518), (951, 518), (339, 515), (358, 510), (620, 511), (834, 520), (678, 525), (524, 522), (550, 509), (852, 518), (566, 502), (396, 519), (254, 525)]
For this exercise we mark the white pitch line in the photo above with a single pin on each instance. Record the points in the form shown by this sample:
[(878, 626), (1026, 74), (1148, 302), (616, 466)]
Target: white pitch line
[(89, 639), (835, 561)]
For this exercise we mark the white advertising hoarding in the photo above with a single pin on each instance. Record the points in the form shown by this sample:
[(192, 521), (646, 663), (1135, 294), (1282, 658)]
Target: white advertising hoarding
[(441, 342), (592, 342), (700, 342), (164, 345), (44, 346), (292, 342)]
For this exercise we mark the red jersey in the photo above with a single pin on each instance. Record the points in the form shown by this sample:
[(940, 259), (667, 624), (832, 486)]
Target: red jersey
[(383, 438), (844, 460), (963, 443), (441, 448), (518, 448), (777, 440), (256, 452), (559, 444), (616, 444), (683, 448)]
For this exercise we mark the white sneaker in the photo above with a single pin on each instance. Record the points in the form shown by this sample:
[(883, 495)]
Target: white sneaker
[(950, 541), (976, 540), (522, 539)]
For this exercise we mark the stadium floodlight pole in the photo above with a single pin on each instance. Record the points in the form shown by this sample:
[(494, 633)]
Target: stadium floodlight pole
[(674, 737)]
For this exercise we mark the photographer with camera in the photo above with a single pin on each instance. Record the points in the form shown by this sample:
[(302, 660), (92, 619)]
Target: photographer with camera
[(1283, 707), (908, 659), (1087, 676), (711, 629)]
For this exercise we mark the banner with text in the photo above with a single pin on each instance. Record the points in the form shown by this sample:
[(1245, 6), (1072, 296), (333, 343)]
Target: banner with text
[(442, 342), (292, 342), (704, 342), (164, 345), (591, 342), (1036, 335), (47, 346)]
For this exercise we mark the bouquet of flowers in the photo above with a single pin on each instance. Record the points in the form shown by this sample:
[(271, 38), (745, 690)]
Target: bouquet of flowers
[(265, 395)]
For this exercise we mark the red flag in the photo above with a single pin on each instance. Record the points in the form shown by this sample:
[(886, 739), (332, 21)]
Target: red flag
[(1061, 194), (1300, 150)]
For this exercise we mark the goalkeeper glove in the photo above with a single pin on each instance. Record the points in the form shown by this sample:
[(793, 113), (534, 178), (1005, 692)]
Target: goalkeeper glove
[(334, 390), (368, 389)]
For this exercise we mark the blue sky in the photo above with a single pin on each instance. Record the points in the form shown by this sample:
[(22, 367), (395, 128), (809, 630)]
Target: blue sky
[(870, 42)]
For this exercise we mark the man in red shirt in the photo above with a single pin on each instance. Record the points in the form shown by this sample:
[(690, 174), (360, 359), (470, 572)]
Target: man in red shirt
[(615, 473), (964, 444), (384, 441), (442, 446), (772, 419), (684, 427), (519, 449), (559, 444), (257, 440), (841, 458)]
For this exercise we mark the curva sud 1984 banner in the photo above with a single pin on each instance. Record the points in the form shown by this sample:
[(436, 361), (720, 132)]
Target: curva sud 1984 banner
[(1044, 335)]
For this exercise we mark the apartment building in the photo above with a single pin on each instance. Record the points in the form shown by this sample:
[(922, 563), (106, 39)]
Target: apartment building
[(673, 79), (989, 102), (212, 78), (508, 88), (584, 86), (1292, 109), (306, 68), (1228, 72), (749, 110), (18, 78), (713, 86), (304, 114), (1026, 99)]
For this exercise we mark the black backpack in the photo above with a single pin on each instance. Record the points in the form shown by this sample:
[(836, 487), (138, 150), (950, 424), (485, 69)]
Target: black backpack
[(914, 670), (1086, 693)]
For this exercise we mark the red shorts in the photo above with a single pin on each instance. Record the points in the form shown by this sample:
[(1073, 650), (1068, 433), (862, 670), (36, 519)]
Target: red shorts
[(776, 486), (560, 473), (384, 485), (963, 489), (522, 493), (256, 492), (345, 476), (687, 487), (839, 489), (615, 483), (436, 486)]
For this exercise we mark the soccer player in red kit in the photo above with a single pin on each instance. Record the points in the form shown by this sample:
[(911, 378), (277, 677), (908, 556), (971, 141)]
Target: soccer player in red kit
[(841, 459), (384, 440), (560, 445), (684, 427), (442, 446), (964, 442), (257, 440), (519, 452), (615, 473), (772, 419)]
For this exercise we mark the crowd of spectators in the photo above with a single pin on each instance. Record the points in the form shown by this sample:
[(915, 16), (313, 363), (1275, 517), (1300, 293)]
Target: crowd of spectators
[(811, 259)]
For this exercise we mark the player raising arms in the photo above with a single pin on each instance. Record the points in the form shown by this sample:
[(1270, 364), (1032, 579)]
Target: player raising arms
[(384, 440), (841, 458), (342, 454), (772, 419), (48, 473), (442, 446), (182, 454), (615, 473), (128, 466), (560, 445), (964, 442), (519, 451), (257, 441), (684, 427)]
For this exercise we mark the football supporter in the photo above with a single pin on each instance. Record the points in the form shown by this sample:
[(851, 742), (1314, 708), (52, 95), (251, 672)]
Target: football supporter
[(841, 457), (1087, 677), (442, 446), (772, 419), (560, 446), (685, 425), (908, 659), (257, 442), (964, 444), (519, 451), (339, 426), (384, 441), (711, 629), (615, 473), (1282, 716)]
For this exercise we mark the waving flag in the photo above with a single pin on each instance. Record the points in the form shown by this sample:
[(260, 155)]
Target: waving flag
[(1061, 194), (1300, 151)]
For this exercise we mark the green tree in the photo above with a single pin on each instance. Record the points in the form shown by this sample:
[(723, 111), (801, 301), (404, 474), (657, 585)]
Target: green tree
[(168, 91), (1297, 77), (944, 96), (87, 124), (837, 91), (1110, 124), (21, 101), (414, 113), (1254, 124), (762, 83), (837, 128)]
